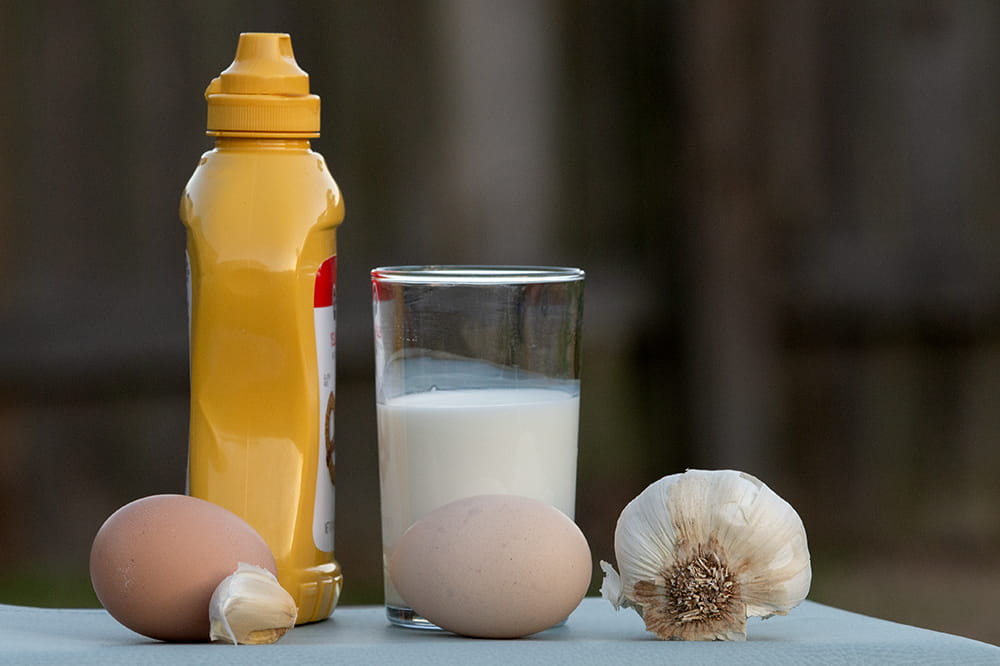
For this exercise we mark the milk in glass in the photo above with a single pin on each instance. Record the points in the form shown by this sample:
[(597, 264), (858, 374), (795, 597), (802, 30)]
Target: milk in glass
[(440, 445)]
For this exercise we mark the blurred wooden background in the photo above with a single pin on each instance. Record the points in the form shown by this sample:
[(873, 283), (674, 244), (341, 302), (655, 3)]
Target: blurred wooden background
[(788, 213)]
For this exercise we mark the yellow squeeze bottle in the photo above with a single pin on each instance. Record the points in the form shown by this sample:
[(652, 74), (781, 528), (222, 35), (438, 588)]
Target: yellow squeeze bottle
[(261, 212)]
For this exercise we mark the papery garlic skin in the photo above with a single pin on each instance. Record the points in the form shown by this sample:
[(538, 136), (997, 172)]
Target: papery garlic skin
[(611, 586), (250, 607), (702, 551)]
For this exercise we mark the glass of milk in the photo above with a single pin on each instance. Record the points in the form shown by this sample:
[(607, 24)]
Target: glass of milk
[(477, 378)]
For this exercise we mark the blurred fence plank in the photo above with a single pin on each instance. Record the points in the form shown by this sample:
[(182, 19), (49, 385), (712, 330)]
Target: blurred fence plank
[(733, 324)]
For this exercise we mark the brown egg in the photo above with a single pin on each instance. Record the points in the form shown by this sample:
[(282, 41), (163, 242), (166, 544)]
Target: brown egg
[(156, 561), (493, 566)]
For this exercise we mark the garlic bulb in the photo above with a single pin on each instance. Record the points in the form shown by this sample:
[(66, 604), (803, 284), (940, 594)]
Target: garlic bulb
[(702, 551), (251, 607)]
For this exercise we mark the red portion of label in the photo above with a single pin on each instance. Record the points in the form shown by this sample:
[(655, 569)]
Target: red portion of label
[(382, 292), (326, 281)]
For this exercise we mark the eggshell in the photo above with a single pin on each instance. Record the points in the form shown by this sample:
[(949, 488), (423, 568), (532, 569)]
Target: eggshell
[(493, 566), (156, 561)]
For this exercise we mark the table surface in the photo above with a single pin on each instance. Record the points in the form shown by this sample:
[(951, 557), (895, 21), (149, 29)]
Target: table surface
[(594, 634)]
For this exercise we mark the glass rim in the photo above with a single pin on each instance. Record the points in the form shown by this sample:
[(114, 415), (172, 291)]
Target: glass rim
[(461, 274)]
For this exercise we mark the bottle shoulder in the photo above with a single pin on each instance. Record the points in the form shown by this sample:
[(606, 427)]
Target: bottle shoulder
[(305, 160), (268, 174), (262, 195)]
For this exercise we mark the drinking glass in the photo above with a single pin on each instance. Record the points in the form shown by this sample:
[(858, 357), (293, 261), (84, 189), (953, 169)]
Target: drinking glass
[(477, 376)]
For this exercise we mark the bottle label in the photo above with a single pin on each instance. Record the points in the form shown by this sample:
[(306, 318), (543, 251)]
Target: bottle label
[(325, 320)]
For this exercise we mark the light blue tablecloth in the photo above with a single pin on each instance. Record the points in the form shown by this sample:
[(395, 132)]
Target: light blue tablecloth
[(594, 634)]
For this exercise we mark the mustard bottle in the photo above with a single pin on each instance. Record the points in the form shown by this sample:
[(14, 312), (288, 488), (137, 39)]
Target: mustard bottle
[(261, 212)]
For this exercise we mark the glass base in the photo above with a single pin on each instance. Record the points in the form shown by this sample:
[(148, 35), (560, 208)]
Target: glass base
[(409, 618)]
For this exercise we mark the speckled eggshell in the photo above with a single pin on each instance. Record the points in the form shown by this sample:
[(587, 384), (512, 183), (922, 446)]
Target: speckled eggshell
[(493, 566), (156, 561)]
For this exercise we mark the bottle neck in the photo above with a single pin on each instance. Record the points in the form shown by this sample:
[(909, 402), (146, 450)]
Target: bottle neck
[(260, 143)]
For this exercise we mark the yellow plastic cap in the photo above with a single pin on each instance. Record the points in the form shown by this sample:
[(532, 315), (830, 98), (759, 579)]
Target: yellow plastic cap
[(263, 93)]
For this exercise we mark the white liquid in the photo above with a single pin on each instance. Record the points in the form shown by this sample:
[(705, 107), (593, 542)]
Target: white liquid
[(439, 446)]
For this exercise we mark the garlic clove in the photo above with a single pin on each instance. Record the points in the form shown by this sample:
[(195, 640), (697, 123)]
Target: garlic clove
[(611, 586), (700, 552), (250, 607)]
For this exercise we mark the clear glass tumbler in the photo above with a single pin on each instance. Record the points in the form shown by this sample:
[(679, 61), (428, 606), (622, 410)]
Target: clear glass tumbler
[(477, 377)]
